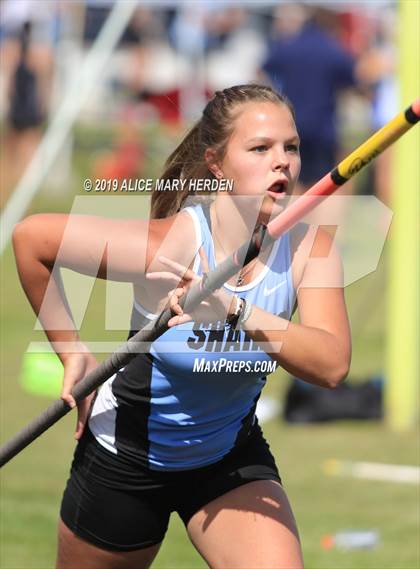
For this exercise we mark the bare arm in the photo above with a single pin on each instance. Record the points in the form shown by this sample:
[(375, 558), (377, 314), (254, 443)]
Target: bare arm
[(318, 349), (90, 245), (107, 248)]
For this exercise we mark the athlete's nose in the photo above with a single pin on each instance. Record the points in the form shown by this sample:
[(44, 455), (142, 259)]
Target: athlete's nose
[(280, 161)]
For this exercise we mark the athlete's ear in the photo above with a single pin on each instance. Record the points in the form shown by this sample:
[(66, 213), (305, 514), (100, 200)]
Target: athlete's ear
[(213, 163)]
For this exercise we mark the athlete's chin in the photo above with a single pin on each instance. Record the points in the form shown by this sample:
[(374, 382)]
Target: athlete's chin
[(270, 209)]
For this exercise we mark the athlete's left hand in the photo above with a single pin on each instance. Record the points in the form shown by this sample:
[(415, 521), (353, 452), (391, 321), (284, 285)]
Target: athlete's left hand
[(216, 306)]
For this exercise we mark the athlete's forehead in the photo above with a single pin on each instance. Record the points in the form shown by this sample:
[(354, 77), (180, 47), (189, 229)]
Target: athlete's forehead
[(263, 119)]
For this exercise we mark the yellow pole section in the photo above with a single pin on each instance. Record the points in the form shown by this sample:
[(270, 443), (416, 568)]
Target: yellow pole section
[(403, 338)]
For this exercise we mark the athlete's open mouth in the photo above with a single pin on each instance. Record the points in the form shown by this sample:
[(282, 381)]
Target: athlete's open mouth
[(279, 188)]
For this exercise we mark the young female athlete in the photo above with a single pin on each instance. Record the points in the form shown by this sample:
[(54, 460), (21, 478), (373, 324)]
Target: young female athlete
[(175, 430)]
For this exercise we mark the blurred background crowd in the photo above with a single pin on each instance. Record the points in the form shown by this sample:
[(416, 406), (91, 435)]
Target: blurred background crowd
[(335, 61)]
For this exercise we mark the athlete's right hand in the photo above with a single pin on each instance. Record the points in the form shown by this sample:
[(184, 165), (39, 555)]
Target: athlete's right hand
[(76, 367), (217, 305)]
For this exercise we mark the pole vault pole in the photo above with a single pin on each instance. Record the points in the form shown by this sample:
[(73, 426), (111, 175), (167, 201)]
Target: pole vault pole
[(262, 237)]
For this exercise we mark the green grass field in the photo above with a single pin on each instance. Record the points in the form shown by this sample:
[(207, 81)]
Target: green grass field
[(32, 483)]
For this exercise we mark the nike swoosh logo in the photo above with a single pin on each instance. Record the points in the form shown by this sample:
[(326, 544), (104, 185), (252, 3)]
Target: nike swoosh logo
[(268, 291)]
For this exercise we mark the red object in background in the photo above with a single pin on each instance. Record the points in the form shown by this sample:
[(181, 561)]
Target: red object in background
[(124, 162), (167, 105), (356, 31)]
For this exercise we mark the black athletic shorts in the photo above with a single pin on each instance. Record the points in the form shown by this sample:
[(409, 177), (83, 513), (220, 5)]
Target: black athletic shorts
[(119, 507)]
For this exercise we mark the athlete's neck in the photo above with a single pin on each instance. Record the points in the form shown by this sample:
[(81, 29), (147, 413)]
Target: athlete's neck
[(233, 220)]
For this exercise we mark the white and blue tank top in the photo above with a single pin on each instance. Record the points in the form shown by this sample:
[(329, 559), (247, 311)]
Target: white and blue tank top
[(167, 409)]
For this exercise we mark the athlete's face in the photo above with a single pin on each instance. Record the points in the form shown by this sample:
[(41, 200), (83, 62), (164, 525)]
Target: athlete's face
[(262, 154)]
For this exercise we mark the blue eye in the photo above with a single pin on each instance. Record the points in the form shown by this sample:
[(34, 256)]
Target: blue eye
[(292, 148), (259, 149)]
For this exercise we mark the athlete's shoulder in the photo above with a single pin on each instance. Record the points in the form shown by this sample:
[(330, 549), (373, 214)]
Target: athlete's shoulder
[(299, 236), (308, 242), (313, 239)]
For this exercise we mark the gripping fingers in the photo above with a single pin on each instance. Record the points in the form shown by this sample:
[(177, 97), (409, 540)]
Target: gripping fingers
[(174, 301), (66, 395), (180, 317), (163, 276), (176, 320), (83, 411)]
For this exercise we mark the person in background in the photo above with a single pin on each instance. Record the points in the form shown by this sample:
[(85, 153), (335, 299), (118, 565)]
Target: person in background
[(306, 63), (27, 65)]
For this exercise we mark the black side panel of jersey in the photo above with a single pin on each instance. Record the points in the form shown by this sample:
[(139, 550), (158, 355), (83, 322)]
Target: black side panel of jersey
[(132, 389)]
